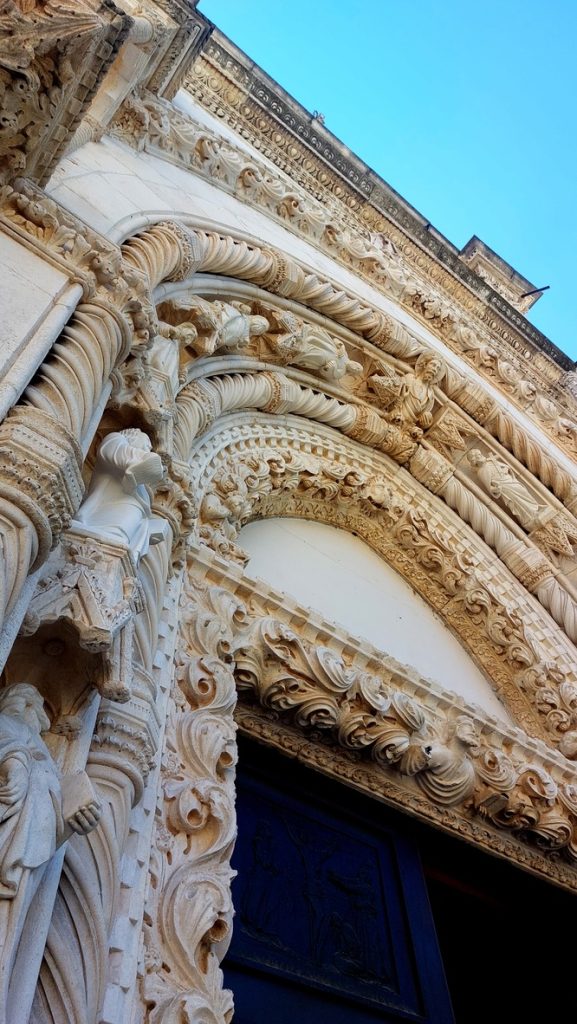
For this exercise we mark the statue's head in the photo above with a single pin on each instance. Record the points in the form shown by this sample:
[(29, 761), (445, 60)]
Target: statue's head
[(475, 457), (258, 325), (22, 700), (137, 438), (430, 367)]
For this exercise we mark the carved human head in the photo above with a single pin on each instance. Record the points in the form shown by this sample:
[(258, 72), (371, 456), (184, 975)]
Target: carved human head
[(258, 325), (430, 367), (22, 700), (475, 457), (137, 438)]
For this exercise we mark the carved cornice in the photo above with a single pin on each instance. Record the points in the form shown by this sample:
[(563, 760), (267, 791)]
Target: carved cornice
[(241, 95), (53, 55), (191, 34)]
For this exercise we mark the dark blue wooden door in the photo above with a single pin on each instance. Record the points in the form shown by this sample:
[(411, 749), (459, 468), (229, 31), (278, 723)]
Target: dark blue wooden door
[(332, 915)]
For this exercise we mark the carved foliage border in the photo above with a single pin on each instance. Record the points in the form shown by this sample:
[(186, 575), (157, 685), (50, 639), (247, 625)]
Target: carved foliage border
[(521, 652)]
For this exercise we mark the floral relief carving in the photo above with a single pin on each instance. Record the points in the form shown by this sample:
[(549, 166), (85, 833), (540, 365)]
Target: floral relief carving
[(47, 48), (281, 482), (189, 911), (448, 757)]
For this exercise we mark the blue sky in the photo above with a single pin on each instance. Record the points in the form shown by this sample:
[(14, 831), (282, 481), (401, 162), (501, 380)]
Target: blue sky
[(468, 110)]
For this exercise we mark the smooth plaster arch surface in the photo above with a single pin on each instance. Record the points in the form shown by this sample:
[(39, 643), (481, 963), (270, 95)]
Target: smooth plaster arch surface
[(340, 576)]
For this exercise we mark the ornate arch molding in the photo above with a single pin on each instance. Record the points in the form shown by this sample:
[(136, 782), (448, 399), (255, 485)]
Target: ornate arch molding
[(246, 468), (244, 259), (537, 561), (346, 710), (465, 323)]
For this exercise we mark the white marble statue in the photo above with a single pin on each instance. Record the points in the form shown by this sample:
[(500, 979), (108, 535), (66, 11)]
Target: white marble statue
[(501, 483), (39, 810), (117, 506), (313, 348)]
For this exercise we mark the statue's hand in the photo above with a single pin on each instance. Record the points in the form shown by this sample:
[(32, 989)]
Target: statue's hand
[(85, 818), (13, 781)]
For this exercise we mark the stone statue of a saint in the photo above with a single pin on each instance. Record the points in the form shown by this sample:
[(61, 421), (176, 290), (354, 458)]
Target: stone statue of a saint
[(502, 484), (409, 400), (32, 815), (118, 505), (212, 326), (39, 810), (310, 346), (416, 399)]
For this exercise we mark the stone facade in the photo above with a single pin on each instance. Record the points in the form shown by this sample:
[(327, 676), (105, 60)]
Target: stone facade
[(213, 314)]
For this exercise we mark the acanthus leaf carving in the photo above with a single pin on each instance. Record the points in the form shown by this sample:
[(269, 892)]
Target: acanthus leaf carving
[(452, 756), (189, 905)]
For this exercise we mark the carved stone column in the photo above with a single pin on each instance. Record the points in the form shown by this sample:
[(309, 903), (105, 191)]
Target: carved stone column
[(188, 913), (40, 489)]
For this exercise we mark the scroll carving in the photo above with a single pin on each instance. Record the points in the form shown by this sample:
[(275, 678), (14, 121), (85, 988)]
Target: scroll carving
[(453, 759), (189, 912)]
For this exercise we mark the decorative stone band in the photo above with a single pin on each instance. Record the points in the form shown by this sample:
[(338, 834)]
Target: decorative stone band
[(244, 471), (403, 724)]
